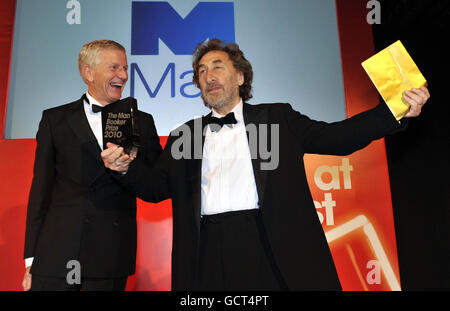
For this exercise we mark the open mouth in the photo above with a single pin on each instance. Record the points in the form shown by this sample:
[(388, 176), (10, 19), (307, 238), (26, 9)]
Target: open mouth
[(117, 86)]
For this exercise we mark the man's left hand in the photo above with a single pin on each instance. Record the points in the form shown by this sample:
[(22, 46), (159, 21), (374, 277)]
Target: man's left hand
[(115, 159), (416, 99)]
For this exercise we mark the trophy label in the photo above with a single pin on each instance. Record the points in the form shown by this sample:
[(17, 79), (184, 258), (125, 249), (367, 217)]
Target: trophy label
[(114, 124), (119, 123)]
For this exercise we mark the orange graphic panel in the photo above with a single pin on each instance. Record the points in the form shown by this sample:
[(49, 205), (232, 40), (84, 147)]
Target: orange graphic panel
[(353, 202)]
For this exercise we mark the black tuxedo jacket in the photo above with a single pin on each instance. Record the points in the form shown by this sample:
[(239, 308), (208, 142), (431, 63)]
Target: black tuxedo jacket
[(289, 217), (76, 210)]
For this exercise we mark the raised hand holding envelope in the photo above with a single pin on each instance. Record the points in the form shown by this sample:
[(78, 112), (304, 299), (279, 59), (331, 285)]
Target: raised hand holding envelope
[(398, 80), (119, 122)]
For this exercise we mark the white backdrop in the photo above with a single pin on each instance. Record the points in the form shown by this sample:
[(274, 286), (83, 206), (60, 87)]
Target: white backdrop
[(293, 46)]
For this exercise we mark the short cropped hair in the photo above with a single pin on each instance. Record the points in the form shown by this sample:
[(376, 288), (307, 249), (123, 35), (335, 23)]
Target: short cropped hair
[(90, 51), (240, 63)]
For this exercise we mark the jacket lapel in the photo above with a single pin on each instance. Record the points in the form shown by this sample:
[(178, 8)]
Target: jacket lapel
[(195, 173), (79, 124), (254, 119)]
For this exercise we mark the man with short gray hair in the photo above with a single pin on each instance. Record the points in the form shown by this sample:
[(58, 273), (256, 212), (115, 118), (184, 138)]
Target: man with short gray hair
[(81, 224)]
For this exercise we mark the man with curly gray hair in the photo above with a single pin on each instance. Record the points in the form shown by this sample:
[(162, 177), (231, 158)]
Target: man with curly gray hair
[(239, 224)]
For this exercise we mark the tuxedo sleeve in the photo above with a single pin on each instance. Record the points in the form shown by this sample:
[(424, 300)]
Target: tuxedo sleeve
[(343, 137), (152, 148), (41, 186), (147, 178)]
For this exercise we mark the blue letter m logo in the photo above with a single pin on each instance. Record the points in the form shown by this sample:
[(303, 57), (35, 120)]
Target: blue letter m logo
[(154, 20)]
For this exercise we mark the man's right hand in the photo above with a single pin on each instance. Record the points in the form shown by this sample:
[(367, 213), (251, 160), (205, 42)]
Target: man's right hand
[(27, 279), (115, 159)]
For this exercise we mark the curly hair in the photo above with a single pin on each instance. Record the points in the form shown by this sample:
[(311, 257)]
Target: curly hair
[(240, 63)]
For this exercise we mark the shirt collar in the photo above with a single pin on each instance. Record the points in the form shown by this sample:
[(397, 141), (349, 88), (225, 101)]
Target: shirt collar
[(92, 101), (238, 113)]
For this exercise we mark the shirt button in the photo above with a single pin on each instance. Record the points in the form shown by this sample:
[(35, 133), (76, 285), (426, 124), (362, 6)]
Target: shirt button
[(87, 220)]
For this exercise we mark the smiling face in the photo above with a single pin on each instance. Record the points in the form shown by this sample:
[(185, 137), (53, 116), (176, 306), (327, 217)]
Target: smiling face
[(106, 80), (219, 81)]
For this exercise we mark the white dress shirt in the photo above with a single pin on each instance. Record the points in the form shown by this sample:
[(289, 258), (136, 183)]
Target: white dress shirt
[(228, 183), (95, 121)]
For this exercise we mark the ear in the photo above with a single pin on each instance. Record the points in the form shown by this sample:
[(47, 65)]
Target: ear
[(241, 79), (88, 73)]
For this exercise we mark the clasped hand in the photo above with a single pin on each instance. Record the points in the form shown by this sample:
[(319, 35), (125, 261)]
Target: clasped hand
[(115, 158)]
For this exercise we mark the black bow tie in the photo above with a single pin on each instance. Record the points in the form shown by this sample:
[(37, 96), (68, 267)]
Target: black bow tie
[(216, 124), (95, 108)]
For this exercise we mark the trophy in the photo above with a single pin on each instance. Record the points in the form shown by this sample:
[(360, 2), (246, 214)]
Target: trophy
[(119, 122)]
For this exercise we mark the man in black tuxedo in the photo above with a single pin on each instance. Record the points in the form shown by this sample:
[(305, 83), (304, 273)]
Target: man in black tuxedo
[(81, 224), (243, 220)]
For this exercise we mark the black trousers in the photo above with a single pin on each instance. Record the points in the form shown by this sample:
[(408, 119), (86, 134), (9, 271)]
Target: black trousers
[(235, 254), (46, 283)]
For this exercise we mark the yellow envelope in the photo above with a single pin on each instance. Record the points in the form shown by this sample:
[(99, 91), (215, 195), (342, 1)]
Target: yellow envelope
[(393, 71)]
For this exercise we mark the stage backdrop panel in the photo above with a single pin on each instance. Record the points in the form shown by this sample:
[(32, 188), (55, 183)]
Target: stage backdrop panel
[(293, 47)]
